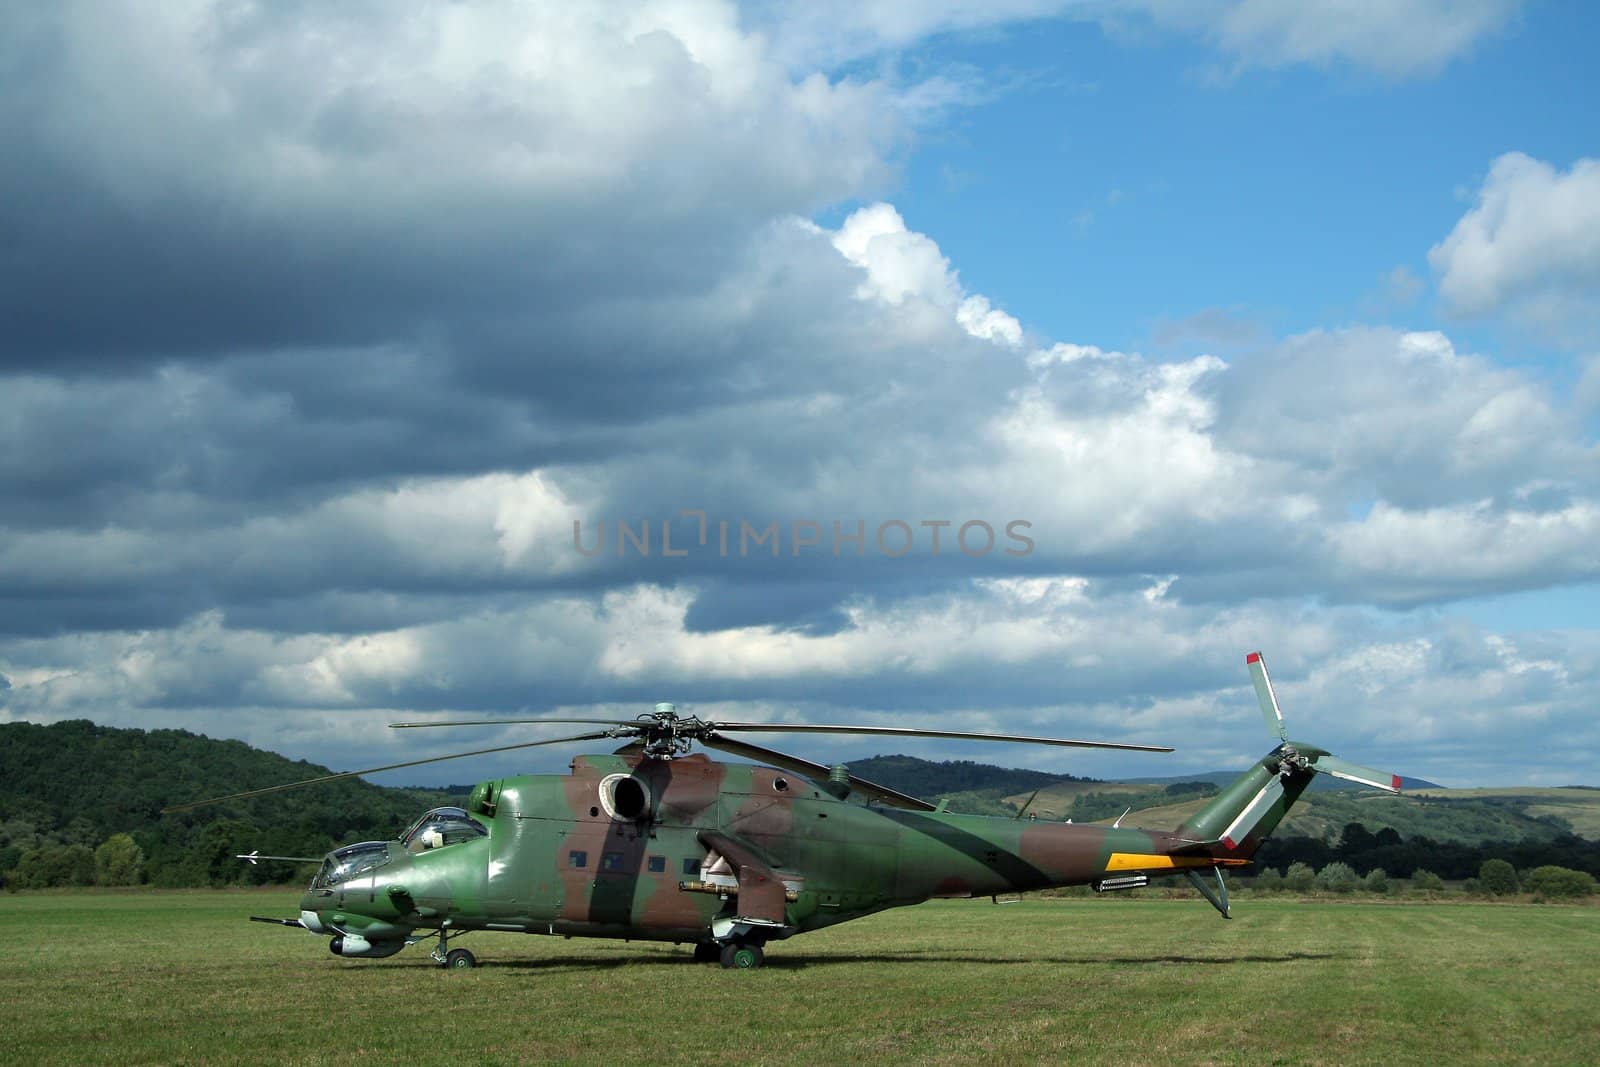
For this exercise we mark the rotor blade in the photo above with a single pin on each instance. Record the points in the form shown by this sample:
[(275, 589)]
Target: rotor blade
[(508, 722), (374, 770), (1267, 698), (904, 731), (1354, 772), (816, 771), (1246, 820)]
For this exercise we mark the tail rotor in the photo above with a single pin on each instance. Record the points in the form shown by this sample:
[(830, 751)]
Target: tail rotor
[(1304, 757)]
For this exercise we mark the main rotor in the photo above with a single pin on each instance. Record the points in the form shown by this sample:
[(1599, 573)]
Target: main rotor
[(663, 734)]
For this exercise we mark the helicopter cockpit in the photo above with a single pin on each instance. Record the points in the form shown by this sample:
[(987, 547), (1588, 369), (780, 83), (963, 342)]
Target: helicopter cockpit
[(441, 827), (345, 863)]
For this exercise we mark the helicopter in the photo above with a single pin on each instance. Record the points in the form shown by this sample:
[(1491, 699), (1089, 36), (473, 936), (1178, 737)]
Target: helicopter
[(655, 842)]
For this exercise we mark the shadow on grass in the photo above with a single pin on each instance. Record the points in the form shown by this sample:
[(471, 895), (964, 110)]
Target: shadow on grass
[(781, 962)]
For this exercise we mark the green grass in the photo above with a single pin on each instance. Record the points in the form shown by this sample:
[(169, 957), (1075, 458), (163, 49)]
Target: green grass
[(176, 977)]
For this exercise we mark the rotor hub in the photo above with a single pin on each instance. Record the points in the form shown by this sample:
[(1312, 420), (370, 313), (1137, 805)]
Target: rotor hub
[(667, 734)]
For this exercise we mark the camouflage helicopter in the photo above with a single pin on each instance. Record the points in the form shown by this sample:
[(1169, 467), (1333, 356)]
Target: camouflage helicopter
[(654, 842)]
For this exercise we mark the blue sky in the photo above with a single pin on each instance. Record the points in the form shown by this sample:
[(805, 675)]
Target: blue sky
[(1274, 322), (1120, 185)]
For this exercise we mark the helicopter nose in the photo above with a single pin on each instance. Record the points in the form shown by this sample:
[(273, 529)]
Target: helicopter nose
[(311, 922)]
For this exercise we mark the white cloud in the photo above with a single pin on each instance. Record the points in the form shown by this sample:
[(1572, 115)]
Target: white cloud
[(406, 105), (1531, 242), (1405, 555), (1398, 38), (902, 264), (1369, 413), (1438, 699)]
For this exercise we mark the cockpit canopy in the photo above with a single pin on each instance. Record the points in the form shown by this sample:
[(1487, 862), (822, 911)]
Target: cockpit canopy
[(345, 863), (441, 827)]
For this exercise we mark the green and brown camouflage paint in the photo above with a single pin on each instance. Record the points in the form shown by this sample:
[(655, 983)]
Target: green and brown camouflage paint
[(712, 851)]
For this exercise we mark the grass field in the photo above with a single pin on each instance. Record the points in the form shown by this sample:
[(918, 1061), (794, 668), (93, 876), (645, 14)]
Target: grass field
[(180, 977)]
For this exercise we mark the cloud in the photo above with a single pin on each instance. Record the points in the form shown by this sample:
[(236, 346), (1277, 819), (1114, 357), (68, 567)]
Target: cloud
[(1530, 244), (901, 263), (342, 177), (1439, 552), (1396, 40), (306, 392), (1059, 655), (1405, 38)]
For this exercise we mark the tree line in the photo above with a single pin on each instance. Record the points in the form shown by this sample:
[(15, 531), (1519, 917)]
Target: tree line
[(1386, 850)]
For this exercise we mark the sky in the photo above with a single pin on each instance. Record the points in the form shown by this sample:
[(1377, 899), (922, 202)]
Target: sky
[(1006, 366)]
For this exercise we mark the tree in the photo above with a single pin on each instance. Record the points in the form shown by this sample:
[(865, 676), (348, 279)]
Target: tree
[(209, 860), (1269, 880), (119, 861), (1299, 878), (1355, 839), (1560, 883), (55, 865), (1498, 877), (1426, 881), (1376, 881), (1337, 878)]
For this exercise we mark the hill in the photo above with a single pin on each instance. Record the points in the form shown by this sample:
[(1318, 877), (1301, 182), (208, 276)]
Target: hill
[(75, 784), (978, 788)]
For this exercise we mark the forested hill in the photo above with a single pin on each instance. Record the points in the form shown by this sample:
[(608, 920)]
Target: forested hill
[(75, 784)]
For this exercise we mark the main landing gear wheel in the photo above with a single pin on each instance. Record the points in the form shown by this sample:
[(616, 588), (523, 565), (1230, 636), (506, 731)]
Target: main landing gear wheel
[(460, 959), (742, 957), (707, 952)]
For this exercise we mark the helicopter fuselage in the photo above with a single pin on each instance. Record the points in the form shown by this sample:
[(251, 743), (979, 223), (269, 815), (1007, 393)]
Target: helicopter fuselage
[(693, 850)]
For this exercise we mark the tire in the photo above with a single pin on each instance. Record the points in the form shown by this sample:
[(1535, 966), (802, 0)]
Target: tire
[(742, 957), (707, 952), (459, 959)]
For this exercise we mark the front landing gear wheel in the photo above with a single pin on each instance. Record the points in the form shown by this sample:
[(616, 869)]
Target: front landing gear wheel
[(742, 957), (707, 952), (459, 959)]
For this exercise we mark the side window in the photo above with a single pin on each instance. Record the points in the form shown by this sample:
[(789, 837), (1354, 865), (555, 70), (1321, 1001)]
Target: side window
[(658, 864), (611, 861), (578, 858), (691, 866)]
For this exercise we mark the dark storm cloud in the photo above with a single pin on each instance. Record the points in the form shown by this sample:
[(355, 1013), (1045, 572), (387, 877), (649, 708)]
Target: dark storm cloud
[(190, 183)]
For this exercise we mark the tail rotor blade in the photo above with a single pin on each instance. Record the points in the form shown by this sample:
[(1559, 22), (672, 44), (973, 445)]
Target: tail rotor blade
[(1354, 772), (1246, 820), (1266, 697)]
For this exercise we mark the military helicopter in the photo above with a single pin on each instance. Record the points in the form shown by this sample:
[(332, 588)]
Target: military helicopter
[(653, 842)]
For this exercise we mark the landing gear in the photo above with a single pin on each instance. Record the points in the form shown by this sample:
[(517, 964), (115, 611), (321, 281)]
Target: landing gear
[(707, 952), (742, 955), (455, 959)]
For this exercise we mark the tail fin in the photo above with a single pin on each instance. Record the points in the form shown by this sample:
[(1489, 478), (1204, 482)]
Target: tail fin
[(1253, 805)]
